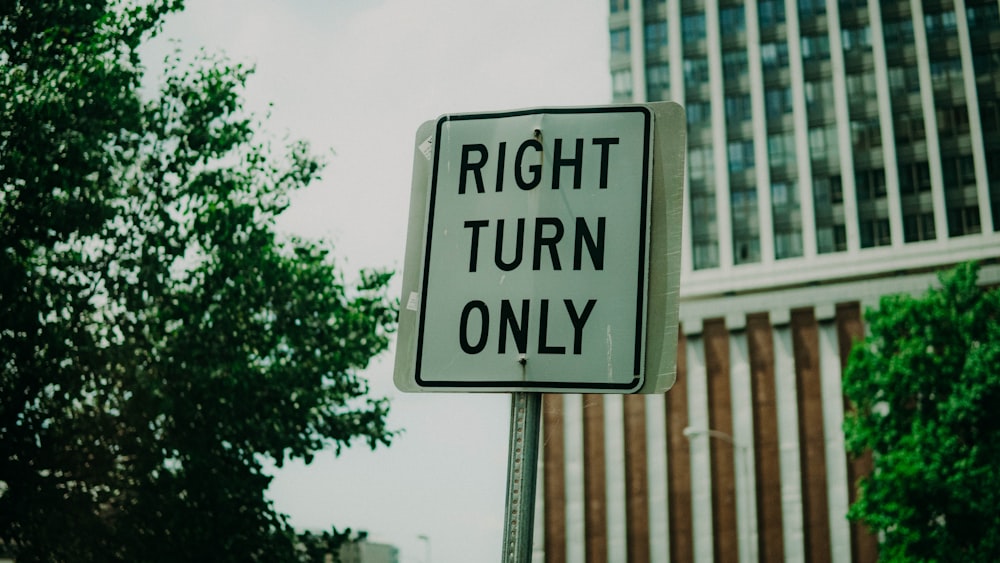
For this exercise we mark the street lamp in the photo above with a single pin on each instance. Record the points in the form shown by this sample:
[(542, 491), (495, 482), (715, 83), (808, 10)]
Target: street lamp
[(746, 546), (427, 547)]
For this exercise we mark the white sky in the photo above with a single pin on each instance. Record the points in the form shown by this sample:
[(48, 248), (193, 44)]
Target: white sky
[(358, 77)]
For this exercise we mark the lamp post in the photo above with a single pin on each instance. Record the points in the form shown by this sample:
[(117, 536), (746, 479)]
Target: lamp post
[(743, 451), (427, 547)]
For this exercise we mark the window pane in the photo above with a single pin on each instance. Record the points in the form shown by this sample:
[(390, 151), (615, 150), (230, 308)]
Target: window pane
[(619, 6), (656, 36), (898, 33), (658, 81), (815, 47), (732, 20), (698, 114), (771, 13), (734, 64), (781, 149), (940, 25), (774, 55), (695, 71), (621, 83), (811, 8), (819, 96), (738, 108), (778, 102), (856, 38), (693, 27), (620, 43), (740, 156)]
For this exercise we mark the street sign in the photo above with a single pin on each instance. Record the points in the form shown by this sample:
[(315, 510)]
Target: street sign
[(543, 251)]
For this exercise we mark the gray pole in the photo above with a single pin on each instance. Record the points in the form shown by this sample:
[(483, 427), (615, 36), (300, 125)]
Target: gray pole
[(522, 469), (427, 547)]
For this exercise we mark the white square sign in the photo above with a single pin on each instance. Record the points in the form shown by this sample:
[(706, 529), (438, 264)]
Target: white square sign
[(534, 254)]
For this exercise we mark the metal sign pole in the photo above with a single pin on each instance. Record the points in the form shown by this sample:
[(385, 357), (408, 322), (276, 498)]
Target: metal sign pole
[(522, 470)]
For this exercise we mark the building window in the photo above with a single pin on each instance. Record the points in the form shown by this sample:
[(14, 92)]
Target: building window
[(823, 143), (985, 64), (865, 133), (828, 191), (819, 97), (875, 232), (621, 83), (620, 42), (734, 64), (861, 86), (989, 115), (845, 5), (830, 230), (783, 194), (706, 255), (732, 20), (856, 39), (869, 184), (695, 71), (699, 114), (904, 79), (746, 249), (701, 168), (811, 8), (778, 102), (770, 13), (781, 149), (619, 6), (815, 47), (958, 171), (983, 18), (656, 36), (703, 205), (947, 74), (940, 25), (898, 33), (774, 55), (704, 231), (746, 227), (918, 226), (738, 108), (963, 221), (787, 244), (693, 28), (787, 220), (704, 228), (993, 173), (952, 121), (914, 178), (658, 81), (831, 239), (740, 156)]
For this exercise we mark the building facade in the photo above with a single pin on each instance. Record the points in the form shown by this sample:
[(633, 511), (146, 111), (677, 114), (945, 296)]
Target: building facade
[(364, 551), (838, 151)]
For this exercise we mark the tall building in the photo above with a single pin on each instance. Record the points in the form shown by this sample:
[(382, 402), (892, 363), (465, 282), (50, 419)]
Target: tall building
[(838, 151)]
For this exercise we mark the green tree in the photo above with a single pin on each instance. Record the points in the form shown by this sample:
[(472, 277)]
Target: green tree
[(159, 342), (926, 388)]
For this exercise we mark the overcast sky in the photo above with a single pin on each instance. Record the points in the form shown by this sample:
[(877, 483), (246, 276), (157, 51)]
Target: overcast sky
[(357, 77)]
